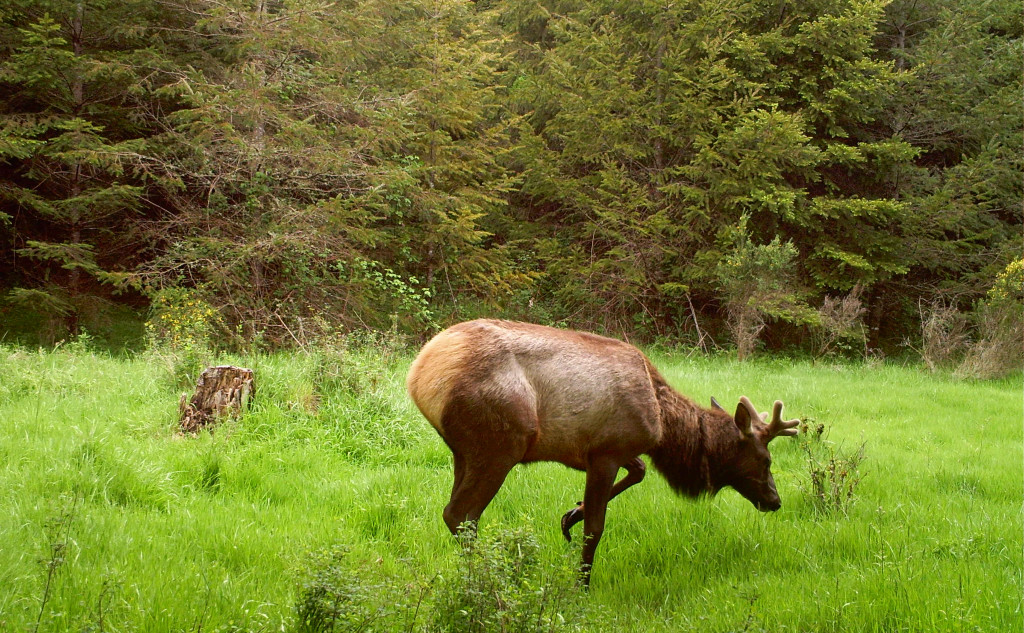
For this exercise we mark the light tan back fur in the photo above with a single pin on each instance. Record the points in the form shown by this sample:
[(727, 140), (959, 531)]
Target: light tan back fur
[(583, 392), (435, 370)]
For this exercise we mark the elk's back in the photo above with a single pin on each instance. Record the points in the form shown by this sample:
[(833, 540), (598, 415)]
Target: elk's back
[(574, 393)]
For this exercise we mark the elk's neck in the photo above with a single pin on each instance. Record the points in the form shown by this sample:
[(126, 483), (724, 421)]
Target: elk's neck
[(686, 453)]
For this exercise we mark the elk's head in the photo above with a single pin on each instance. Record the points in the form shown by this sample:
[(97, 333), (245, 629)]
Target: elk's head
[(747, 466)]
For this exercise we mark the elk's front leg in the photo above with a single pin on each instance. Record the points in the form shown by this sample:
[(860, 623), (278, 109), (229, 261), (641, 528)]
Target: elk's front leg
[(600, 477), (635, 471)]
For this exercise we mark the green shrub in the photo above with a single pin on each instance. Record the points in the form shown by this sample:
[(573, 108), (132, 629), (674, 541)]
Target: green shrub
[(180, 331), (500, 585), (999, 321), (757, 283), (337, 598), (833, 475)]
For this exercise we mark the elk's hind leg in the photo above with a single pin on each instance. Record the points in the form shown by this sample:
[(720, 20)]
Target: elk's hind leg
[(487, 440), (471, 497), (635, 471), (474, 491)]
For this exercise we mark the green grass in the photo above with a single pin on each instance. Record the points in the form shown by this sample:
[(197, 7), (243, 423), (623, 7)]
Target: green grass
[(171, 533)]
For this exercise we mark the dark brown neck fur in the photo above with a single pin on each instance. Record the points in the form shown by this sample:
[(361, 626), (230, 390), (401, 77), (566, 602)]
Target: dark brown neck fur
[(691, 435)]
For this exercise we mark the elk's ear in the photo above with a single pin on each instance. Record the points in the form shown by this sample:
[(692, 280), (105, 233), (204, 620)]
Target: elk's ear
[(745, 414), (715, 405)]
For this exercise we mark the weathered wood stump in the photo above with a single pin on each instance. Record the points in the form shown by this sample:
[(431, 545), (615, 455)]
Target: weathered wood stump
[(221, 390)]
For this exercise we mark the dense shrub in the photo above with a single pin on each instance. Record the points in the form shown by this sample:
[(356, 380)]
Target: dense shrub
[(498, 584)]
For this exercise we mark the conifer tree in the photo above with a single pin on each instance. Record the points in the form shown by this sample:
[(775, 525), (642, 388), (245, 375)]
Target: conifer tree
[(75, 76), (661, 125), (339, 162), (959, 107), (447, 183)]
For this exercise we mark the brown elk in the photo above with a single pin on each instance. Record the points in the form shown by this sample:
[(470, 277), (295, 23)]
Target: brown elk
[(503, 393)]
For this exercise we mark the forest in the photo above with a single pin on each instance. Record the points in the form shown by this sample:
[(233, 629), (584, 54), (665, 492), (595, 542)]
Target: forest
[(830, 176), (310, 189)]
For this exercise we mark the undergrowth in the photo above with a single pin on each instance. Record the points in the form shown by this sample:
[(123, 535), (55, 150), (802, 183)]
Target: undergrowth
[(498, 584)]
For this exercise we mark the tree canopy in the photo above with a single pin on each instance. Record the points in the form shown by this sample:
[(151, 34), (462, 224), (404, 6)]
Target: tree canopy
[(657, 169)]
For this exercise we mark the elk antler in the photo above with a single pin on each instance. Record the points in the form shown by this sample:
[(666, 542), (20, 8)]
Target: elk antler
[(777, 427), (751, 410)]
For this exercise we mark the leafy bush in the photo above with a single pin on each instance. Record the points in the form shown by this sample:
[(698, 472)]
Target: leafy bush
[(181, 318), (338, 597), (758, 284), (180, 331), (499, 585)]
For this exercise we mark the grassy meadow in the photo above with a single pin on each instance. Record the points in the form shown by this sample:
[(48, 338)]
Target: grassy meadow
[(111, 521)]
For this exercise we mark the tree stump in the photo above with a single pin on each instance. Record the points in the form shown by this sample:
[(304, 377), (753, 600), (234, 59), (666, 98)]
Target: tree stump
[(221, 390)]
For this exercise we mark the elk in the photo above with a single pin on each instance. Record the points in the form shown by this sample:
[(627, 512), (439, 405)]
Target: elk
[(502, 393)]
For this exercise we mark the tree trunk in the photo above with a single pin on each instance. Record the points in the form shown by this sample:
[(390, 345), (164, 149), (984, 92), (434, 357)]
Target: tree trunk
[(75, 189), (222, 390)]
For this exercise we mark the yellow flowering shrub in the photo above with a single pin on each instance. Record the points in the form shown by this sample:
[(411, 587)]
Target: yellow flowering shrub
[(1000, 323), (1009, 284), (181, 319)]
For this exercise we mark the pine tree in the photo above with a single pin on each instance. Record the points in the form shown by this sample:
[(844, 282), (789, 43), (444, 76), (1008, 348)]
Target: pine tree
[(75, 79), (661, 126), (960, 109)]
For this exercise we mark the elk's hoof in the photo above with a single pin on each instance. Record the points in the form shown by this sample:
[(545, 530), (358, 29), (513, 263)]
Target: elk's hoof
[(571, 518)]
